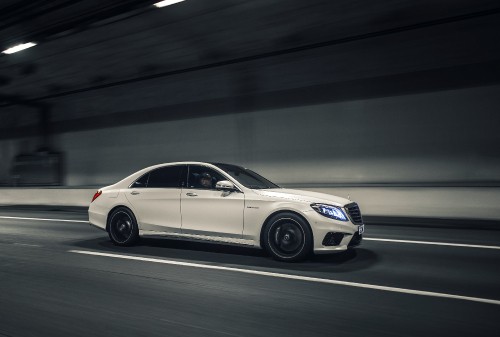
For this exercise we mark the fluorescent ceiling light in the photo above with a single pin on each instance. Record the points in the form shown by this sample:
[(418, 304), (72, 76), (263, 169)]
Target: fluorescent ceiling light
[(19, 47), (166, 3)]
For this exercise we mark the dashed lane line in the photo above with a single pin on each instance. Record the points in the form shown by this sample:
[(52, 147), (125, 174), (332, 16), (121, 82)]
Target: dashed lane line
[(450, 244)]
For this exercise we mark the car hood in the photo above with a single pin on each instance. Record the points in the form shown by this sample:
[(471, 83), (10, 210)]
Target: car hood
[(303, 196)]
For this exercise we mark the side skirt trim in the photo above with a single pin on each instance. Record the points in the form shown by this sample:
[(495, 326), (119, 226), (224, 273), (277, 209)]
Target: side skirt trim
[(198, 237)]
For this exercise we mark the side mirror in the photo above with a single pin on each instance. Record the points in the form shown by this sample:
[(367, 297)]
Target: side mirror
[(225, 185)]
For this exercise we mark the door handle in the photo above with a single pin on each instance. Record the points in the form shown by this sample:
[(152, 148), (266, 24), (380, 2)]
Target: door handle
[(191, 194), (135, 192)]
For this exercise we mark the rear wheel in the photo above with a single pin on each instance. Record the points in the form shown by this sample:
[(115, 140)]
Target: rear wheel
[(287, 237), (123, 230)]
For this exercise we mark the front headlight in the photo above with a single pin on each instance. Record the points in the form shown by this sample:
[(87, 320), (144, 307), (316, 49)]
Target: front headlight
[(332, 212)]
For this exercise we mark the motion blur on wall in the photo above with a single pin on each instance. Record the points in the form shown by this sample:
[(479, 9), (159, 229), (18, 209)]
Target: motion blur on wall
[(322, 93)]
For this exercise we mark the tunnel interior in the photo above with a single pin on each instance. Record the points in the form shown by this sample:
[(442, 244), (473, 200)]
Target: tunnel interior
[(332, 94)]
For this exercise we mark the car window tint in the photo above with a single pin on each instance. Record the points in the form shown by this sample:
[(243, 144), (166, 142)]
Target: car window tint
[(169, 176), (203, 177), (247, 177), (248, 180), (141, 182)]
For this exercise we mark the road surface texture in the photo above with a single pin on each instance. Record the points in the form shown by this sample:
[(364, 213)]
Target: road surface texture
[(65, 278)]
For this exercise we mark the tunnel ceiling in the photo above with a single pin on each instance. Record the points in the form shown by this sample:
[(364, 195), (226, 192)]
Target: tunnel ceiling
[(92, 43)]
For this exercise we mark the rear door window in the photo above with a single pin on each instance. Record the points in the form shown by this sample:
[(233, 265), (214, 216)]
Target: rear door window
[(141, 182), (166, 177)]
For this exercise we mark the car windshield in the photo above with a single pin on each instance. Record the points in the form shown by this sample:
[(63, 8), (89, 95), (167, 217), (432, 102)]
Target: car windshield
[(246, 177)]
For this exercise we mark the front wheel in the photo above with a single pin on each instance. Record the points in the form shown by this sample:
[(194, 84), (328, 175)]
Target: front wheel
[(287, 237), (123, 230)]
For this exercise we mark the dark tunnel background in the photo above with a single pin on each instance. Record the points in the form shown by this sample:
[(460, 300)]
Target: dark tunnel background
[(344, 97)]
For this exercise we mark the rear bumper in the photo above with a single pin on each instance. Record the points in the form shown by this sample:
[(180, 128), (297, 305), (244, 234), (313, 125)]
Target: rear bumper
[(97, 217), (96, 226)]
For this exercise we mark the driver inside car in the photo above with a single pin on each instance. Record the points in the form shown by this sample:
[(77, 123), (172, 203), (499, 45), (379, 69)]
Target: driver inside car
[(206, 180)]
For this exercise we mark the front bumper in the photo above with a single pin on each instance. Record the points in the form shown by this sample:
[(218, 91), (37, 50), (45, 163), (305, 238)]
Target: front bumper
[(322, 226)]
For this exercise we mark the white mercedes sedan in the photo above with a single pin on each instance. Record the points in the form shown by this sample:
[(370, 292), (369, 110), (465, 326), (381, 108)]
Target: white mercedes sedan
[(226, 204)]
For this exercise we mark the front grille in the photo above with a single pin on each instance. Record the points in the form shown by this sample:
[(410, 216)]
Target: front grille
[(354, 213), (356, 240)]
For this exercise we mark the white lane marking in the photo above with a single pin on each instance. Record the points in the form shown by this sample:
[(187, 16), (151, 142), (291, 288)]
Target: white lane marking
[(433, 243), (365, 238), (25, 244), (292, 277), (41, 219)]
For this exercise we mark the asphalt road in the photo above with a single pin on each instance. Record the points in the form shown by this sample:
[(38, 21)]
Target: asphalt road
[(48, 289)]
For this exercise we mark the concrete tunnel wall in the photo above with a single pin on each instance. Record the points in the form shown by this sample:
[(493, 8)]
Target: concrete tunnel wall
[(438, 138), (445, 137), (414, 112)]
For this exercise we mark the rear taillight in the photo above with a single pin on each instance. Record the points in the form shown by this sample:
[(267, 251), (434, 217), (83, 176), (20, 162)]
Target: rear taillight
[(96, 195)]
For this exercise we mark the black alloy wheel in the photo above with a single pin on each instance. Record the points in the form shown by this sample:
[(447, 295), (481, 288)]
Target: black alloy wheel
[(123, 230), (287, 237)]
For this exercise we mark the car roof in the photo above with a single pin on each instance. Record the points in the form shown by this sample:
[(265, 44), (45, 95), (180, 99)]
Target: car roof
[(218, 164)]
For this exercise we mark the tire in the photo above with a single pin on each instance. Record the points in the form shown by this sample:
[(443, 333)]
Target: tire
[(123, 229), (288, 237)]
